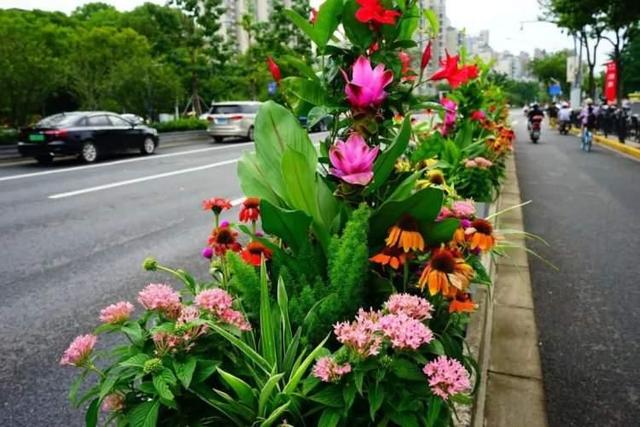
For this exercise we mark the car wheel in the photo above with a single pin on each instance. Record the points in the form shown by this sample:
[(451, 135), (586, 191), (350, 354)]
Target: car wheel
[(250, 134), (45, 160), (89, 153), (148, 146), (218, 139)]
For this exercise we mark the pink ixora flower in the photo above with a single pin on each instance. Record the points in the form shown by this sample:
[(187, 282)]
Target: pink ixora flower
[(405, 332), (361, 336), (463, 208), (352, 161), (366, 87), (78, 352), (328, 370), (447, 377), (163, 298), (411, 305), (116, 313)]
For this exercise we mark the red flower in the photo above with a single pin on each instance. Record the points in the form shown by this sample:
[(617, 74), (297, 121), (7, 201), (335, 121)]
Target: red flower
[(406, 72), (250, 209), (222, 239), (478, 116), (314, 15), (274, 69), (216, 204), (454, 74), (426, 56), (371, 11), (254, 252)]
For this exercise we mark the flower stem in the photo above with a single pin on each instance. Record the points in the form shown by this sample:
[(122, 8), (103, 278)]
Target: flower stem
[(405, 279)]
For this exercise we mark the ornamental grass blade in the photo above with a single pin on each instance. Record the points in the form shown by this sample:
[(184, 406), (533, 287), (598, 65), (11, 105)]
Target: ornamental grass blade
[(265, 393), (267, 332), (296, 376), (250, 353)]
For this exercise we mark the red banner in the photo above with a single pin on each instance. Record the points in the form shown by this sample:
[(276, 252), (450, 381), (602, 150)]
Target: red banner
[(611, 82)]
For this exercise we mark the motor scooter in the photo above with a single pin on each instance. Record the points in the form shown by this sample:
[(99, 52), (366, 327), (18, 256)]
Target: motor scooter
[(535, 128)]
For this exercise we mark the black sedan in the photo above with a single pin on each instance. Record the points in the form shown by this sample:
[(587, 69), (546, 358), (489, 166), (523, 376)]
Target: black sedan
[(87, 135)]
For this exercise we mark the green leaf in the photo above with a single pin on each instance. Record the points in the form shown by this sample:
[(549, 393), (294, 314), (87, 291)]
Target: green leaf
[(308, 90), (434, 23), (107, 385), (405, 188), (296, 376), (424, 206), (289, 225), (406, 370), (436, 347), (253, 180), (241, 388), (275, 415), (349, 395), (405, 419), (462, 398), (266, 392), (358, 379), (304, 25), (329, 418), (267, 332), (300, 65), (433, 411), (136, 361), (204, 369), (327, 21), (299, 180), (75, 387), (330, 395), (162, 387), (376, 397), (184, 369), (91, 417), (188, 280), (409, 23), (145, 414), (387, 159), (134, 332), (358, 33), (435, 233), (248, 352), (285, 324), (316, 114)]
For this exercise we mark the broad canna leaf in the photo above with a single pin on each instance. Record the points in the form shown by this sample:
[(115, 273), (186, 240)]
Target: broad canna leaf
[(308, 90), (292, 226), (254, 181), (435, 233), (327, 22)]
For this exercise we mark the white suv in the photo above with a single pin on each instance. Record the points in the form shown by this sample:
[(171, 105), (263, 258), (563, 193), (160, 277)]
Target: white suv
[(232, 119)]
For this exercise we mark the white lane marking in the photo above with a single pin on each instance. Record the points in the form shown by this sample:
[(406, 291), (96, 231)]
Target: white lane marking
[(143, 179), (119, 162)]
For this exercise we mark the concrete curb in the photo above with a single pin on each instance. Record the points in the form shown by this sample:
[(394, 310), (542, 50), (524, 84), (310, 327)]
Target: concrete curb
[(502, 334)]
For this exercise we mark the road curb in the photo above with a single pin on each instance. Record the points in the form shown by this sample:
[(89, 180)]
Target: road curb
[(502, 334), (613, 144)]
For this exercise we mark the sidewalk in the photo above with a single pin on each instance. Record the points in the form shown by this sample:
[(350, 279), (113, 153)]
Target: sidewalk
[(630, 148), (514, 388)]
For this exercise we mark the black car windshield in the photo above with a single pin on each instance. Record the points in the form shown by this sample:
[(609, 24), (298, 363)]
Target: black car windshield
[(58, 120)]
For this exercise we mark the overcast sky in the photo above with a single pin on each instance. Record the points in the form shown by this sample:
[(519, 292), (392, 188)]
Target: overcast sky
[(501, 17)]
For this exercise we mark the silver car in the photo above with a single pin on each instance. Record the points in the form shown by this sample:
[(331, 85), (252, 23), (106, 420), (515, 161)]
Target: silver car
[(232, 119)]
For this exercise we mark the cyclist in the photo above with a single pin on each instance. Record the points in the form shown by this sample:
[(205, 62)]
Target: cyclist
[(588, 121), (564, 117)]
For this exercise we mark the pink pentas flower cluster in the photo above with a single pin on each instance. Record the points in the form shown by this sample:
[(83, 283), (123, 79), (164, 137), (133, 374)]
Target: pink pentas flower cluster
[(463, 209), (113, 402), (219, 302), (478, 162), (447, 377), (411, 305), (165, 342), (79, 351), (328, 370), (362, 335), (159, 297), (404, 331), (116, 313)]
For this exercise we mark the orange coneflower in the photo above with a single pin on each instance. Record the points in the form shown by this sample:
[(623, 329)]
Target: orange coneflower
[(445, 268), (223, 238), (404, 234), (250, 210), (462, 303), (254, 252), (394, 257), (480, 235), (216, 204)]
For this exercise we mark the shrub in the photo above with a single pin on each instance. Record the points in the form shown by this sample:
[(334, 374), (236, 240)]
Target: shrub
[(182, 124)]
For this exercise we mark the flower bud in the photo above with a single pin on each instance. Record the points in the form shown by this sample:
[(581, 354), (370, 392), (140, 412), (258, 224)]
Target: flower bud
[(274, 69), (426, 56), (152, 365), (150, 264), (207, 252)]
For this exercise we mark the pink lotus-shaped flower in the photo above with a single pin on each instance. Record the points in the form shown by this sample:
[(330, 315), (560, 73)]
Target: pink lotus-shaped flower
[(366, 88), (352, 160)]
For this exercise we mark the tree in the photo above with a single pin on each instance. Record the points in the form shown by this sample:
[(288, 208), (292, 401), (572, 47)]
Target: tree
[(631, 60), (517, 92), (551, 69)]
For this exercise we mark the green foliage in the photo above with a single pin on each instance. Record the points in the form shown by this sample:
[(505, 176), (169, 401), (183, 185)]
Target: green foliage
[(550, 68), (245, 283), (192, 123), (8, 136)]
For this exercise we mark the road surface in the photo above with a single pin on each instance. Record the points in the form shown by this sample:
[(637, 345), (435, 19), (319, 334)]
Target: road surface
[(587, 206), (73, 240)]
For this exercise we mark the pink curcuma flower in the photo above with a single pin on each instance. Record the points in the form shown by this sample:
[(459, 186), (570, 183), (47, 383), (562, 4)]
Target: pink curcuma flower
[(362, 335), (116, 313), (214, 300), (411, 305), (365, 90), (79, 351), (405, 332), (447, 377), (463, 208), (163, 298), (352, 161), (113, 402), (329, 371)]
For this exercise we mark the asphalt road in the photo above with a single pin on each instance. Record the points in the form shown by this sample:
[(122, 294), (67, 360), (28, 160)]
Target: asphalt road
[(73, 240), (587, 206)]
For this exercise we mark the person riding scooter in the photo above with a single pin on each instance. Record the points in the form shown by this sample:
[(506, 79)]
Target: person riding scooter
[(564, 118), (535, 117)]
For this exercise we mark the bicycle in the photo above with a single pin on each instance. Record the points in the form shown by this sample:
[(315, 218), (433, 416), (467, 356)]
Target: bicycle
[(586, 140)]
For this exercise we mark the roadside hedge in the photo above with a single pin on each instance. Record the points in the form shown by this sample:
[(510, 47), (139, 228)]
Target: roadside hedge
[(8, 136), (180, 125)]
